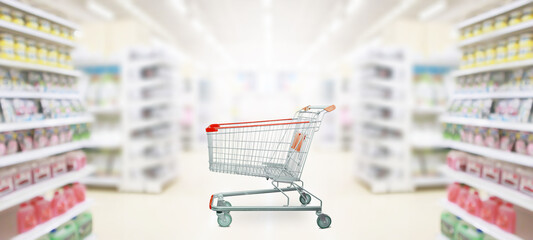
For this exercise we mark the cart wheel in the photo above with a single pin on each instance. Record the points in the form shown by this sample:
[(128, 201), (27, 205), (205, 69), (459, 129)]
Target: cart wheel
[(228, 204), (305, 198), (224, 220), (325, 222)]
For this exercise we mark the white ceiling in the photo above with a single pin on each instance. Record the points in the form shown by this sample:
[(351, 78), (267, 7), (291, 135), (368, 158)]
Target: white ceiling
[(302, 32)]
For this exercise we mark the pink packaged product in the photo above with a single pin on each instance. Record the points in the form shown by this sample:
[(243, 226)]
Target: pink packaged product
[(23, 176), (507, 140), (6, 181), (473, 204), (59, 204), (506, 218), (457, 160), (76, 160), (79, 192), (492, 138), (52, 135), (521, 142), (463, 196), (479, 136), (491, 170), (3, 145), (11, 142), (63, 135), (509, 176), (25, 140), (43, 209), (41, 170), (474, 165), (489, 209), (70, 197), (58, 165), (526, 180), (26, 218), (40, 139)]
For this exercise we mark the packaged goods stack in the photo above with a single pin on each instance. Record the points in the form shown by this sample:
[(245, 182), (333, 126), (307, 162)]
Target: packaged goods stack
[(43, 124), (489, 126)]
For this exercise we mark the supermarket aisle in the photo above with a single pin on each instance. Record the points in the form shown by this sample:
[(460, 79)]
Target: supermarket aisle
[(181, 212)]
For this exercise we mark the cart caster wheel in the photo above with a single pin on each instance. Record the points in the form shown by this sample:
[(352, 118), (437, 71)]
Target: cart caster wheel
[(305, 198), (227, 204), (323, 221), (224, 220)]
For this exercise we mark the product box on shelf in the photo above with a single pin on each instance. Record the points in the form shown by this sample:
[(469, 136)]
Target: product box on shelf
[(58, 165), (526, 181), (491, 170), (41, 170), (6, 181), (23, 177), (474, 165), (510, 177), (26, 219), (43, 209)]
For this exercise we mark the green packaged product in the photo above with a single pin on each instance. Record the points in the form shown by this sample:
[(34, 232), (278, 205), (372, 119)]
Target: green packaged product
[(447, 224), (468, 233), (84, 222), (68, 231)]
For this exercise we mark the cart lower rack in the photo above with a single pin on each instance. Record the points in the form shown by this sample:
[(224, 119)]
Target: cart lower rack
[(274, 149)]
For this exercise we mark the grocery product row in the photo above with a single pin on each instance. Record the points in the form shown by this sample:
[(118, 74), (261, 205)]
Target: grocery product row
[(501, 81), (23, 110), (505, 140), (510, 175), (79, 228), (39, 210), (23, 175), (515, 17), (514, 48), (507, 110), (16, 16), (32, 81), (26, 50), (493, 210), (26, 140)]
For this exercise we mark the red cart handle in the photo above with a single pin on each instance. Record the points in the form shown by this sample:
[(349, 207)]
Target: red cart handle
[(215, 127), (323, 107)]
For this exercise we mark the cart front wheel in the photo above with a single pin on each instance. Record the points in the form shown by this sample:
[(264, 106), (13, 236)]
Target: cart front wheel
[(323, 221), (224, 220), (305, 198), (227, 204)]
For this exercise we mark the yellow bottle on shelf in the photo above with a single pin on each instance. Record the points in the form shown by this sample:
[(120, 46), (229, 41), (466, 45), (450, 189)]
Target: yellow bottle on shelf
[(18, 18), (527, 14), (501, 22), (526, 46), (490, 54), (515, 18), (464, 60), (42, 54), (44, 26), (480, 56), (467, 33), (476, 31), (512, 49), (31, 51), (56, 30), (62, 57), (501, 52), (52, 55), (470, 58), (31, 22), (7, 46), (488, 26), (20, 49), (5, 14)]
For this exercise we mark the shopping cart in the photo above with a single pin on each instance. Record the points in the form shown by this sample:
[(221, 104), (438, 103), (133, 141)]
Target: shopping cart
[(274, 149)]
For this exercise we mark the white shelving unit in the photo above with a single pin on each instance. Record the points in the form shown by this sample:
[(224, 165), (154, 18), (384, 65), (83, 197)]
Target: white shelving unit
[(10, 201), (520, 200), (133, 163), (401, 84)]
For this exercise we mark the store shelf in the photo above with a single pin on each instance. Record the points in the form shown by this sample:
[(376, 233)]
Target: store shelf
[(25, 194), (388, 103), (433, 181), (32, 33), (427, 144), (149, 83), (505, 193), (55, 222), (493, 95), (37, 67), (497, 67), (152, 102), (38, 13), (527, 127), (514, 30), (101, 181), (31, 155), (384, 83), (6, 127), (110, 142), (433, 110), (104, 110), (38, 95), (150, 123), (494, 12), (511, 157), (384, 123), (478, 223)]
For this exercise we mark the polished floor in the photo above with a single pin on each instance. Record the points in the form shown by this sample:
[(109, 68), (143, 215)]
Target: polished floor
[(181, 211)]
